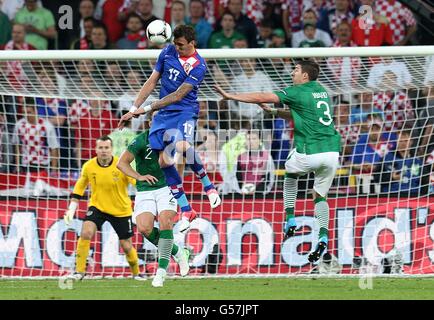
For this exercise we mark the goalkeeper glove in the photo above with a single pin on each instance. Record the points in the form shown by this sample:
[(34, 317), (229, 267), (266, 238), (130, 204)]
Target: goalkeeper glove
[(70, 213)]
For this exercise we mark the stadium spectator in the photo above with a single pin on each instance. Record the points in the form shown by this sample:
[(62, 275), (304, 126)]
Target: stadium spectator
[(424, 129), (277, 39), (197, 19), (243, 24), (99, 38), (95, 123), (371, 31), (107, 11), (309, 17), (227, 35), (145, 11), (250, 79), (255, 167), (401, 20), (11, 7), (55, 110), (6, 29), (363, 109), (372, 147), (345, 70), (208, 152), (399, 68), (396, 105), (228, 156), (134, 81), (400, 170), (86, 10), (85, 41), (6, 154), (309, 40), (349, 132), (264, 34), (127, 8), (178, 14), (35, 140), (135, 37), (39, 23), (122, 138), (271, 11), (17, 71), (292, 12), (335, 16), (429, 75)]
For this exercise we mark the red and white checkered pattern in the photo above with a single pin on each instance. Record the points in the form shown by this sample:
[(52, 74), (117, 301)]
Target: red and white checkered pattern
[(254, 9), (398, 15), (336, 65), (335, 19), (397, 109), (77, 110), (34, 140), (349, 133), (295, 13)]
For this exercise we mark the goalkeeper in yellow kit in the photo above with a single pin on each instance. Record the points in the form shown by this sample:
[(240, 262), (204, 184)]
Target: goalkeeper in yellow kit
[(109, 201)]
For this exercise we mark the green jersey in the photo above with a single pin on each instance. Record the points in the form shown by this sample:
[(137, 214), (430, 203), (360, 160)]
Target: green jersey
[(146, 162), (312, 113), (41, 19)]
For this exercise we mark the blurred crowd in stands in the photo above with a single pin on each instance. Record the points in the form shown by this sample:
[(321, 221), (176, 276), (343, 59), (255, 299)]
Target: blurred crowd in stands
[(110, 24), (387, 129)]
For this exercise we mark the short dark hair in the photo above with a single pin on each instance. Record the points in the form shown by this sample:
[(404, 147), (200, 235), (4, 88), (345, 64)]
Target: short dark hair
[(134, 15), (94, 21), (184, 31), (310, 67), (105, 138)]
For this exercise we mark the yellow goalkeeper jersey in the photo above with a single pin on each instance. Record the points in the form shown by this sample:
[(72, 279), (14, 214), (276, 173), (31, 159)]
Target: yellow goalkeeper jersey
[(108, 187)]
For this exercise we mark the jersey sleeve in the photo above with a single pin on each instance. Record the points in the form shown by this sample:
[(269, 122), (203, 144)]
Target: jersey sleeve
[(82, 182), (135, 146), (287, 96), (160, 61), (196, 76)]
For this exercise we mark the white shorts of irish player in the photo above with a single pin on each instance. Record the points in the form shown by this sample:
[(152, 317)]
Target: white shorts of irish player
[(323, 165), (155, 202)]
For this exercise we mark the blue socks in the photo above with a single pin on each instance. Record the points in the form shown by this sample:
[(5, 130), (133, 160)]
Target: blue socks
[(197, 167), (174, 182)]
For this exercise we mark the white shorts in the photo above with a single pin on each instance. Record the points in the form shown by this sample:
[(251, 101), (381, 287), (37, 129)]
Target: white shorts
[(154, 202), (323, 165)]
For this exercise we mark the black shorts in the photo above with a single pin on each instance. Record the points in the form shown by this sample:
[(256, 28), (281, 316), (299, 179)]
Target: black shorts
[(122, 225)]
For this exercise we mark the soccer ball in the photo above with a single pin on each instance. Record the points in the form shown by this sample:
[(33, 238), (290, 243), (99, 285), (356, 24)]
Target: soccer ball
[(248, 188), (159, 32)]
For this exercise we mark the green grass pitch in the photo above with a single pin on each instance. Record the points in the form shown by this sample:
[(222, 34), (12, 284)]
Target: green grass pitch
[(222, 289)]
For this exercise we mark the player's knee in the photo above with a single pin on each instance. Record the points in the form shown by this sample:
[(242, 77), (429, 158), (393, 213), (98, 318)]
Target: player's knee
[(145, 229), (86, 234), (126, 245)]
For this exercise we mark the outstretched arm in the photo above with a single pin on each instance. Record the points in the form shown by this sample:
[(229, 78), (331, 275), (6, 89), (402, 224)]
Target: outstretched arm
[(280, 113), (249, 97), (174, 97)]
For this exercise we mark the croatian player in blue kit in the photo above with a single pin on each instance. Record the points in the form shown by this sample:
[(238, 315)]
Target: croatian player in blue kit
[(181, 70)]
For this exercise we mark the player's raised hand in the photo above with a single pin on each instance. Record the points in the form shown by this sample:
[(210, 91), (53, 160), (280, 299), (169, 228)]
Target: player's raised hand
[(265, 107), (148, 178), (124, 119), (222, 92)]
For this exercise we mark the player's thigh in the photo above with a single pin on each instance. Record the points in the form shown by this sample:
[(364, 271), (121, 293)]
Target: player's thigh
[(123, 226), (327, 164), (166, 207), (144, 202), (93, 221), (296, 164), (185, 131)]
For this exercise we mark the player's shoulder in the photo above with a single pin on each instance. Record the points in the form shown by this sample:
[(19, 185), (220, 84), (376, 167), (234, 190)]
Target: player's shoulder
[(169, 50), (139, 139)]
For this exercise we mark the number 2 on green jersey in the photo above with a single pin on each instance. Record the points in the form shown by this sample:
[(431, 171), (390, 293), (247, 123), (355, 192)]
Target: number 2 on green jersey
[(328, 121)]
